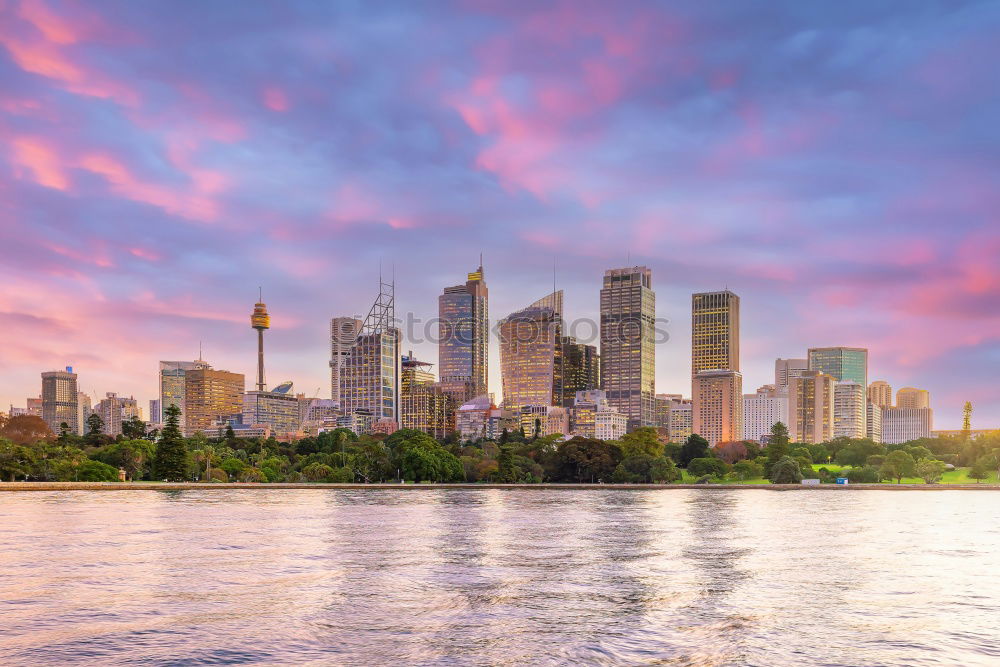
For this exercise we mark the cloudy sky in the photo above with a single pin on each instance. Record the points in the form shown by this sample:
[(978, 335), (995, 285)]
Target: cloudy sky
[(835, 164)]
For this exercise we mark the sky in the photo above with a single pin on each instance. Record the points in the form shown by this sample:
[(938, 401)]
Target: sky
[(835, 164)]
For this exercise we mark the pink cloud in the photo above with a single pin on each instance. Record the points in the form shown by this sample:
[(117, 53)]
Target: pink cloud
[(38, 158), (275, 99)]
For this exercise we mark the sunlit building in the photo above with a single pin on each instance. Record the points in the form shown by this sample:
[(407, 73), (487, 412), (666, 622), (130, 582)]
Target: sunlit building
[(762, 410), (423, 403), (472, 417), (210, 398), (908, 397), (628, 337), (60, 400), (904, 424), (849, 416), (873, 422), (715, 332), (880, 393), (84, 408), (610, 424), (463, 338), (717, 397), (531, 354), (343, 332), (34, 406), (172, 385), (581, 369), (681, 420), (811, 407), (788, 368), (369, 377)]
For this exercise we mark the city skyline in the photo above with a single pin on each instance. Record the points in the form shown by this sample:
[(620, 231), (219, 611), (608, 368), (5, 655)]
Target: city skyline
[(153, 178)]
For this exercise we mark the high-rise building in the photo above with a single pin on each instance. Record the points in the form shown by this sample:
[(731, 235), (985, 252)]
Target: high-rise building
[(343, 334), (762, 410), (849, 416), (905, 424), (717, 397), (211, 398), (810, 407), (155, 413), (531, 354), (880, 393), (581, 369), (369, 378), (60, 400), (908, 397), (423, 403), (628, 338), (873, 422), (845, 364), (84, 409), (715, 332), (681, 420), (463, 338), (788, 368), (34, 406), (114, 410), (172, 385)]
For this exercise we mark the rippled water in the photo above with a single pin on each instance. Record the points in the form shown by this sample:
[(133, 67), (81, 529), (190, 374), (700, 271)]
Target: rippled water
[(685, 577)]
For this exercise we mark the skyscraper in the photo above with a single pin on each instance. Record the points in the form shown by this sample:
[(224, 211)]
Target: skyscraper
[(762, 410), (810, 407), (880, 393), (463, 338), (60, 400), (715, 332), (849, 416), (423, 403), (909, 397), (83, 411), (531, 354), (628, 337), (172, 384), (369, 379), (114, 410), (845, 364), (210, 398), (581, 369), (788, 368), (717, 397), (343, 333)]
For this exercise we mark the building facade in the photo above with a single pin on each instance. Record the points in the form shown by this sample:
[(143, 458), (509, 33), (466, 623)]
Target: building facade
[(60, 400), (531, 354), (810, 407), (115, 410), (172, 384), (581, 369), (424, 405), (463, 338), (762, 410), (211, 398), (905, 424), (343, 333), (873, 422), (909, 397), (715, 332), (844, 364), (628, 343), (717, 397), (849, 414), (279, 410), (880, 393), (788, 368)]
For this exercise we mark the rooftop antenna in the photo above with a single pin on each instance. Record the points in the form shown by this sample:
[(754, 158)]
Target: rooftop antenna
[(199, 351)]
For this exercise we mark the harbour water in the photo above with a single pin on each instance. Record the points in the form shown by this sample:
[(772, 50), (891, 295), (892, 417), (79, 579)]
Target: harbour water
[(498, 576)]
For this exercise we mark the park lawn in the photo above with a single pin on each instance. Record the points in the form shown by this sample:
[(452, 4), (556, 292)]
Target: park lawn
[(687, 478), (956, 476)]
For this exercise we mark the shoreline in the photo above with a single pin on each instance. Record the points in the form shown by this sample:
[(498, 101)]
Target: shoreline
[(319, 486)]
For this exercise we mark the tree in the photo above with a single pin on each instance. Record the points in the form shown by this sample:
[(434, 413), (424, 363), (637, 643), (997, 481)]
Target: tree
[(707, 466), (731, 452), (642, 441), (95, 471), (204, 456), (930, 470), (506, 473), (981, 469), (95, 425), (967, 421), (695, 447), (15, 460), (25, 429), (745, 470), (664, 470), (133, 428), (785, 471), (538, 428), (582, 459), (170, 462), (777, 445), (897, 465)]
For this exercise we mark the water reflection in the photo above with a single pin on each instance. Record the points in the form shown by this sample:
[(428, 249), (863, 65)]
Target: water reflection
[(499, 577)]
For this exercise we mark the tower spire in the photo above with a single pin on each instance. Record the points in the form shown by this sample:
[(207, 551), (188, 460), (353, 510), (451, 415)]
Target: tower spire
[(260, 321)]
